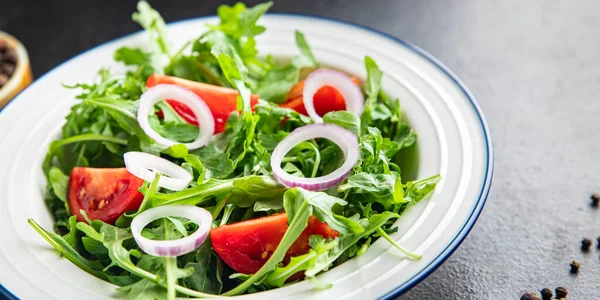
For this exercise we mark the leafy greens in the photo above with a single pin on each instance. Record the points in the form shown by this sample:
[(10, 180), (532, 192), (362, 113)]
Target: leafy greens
[(232, 174)]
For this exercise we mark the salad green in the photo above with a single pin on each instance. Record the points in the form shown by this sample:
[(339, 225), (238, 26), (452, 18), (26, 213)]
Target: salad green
[(232, 174)]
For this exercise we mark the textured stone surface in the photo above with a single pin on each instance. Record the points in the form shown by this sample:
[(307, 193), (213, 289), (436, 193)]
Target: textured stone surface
[(534, 67)]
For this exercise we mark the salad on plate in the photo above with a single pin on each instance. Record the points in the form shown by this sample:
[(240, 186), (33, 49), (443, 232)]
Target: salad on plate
[(213, 170)]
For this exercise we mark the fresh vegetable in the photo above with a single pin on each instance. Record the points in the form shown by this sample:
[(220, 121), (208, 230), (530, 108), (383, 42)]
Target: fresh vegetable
[(351, 93), (344, 139), (220, 100), (326, 99), (197, 106), (246, 246), (232, 176), (103, 194), (147, 166), (187, 244)]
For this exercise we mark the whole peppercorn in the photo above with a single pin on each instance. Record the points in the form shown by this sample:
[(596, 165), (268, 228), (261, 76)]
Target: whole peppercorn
[(595, 199), (561, 292), (530, 296), (575, 267), (546, 294), (585, 244)]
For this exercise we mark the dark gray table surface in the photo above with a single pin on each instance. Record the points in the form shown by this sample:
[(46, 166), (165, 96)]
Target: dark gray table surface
[(534, 66)]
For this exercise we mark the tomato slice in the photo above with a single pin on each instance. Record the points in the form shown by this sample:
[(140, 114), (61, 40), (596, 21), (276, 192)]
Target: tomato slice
[(246, 246), (104, 194), (221, 100), (326, 99)]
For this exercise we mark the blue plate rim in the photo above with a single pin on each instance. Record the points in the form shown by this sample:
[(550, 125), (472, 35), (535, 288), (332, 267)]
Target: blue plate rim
[(486, 185)]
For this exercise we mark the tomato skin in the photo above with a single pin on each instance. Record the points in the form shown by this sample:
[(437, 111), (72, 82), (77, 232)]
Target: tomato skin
[(104, 194), (222, 101), (246, 246), (326, 99)]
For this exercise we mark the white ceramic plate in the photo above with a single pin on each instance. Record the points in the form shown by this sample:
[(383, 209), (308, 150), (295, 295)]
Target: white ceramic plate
[(454, 141)]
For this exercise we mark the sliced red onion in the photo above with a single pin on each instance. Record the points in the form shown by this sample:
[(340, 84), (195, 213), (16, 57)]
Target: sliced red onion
[(325, 77), (144, 165), (178, 247), (161, 92), (346, 140)]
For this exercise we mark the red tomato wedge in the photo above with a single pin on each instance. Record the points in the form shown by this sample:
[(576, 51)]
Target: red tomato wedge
[(104, 194), (221, 100), (326, 99), (246, 246)]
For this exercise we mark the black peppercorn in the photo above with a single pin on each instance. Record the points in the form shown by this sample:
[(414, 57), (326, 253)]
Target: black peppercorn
[(546, 294), (585, 244), (595, 199), (561, 292), (530, 296), (575, 267)]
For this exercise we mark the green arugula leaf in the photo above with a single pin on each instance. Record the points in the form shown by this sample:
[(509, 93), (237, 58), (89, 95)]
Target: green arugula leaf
[(281, 274), (208, 270), (238, 21), (306, 59), (59, 183), (373, 83), (415, 191), (181, 151), (330, 251), (344, 119), (174, 130), (381, 186), (133, 57), (323, 208), (65, 250), (154, 25), (215, 160), (277, 82)]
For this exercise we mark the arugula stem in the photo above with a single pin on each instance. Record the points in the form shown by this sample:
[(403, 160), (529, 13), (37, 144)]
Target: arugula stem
[(110, 106), (210, 76), (344, 187), (85, 216), (192, 196), (227, 213), (248, 213), (130, 267), (382, 233), (317, 159), (151, 191), (87, 137), (290, 159), (80, 156), (220, 205), (170, 263), (178, 53)]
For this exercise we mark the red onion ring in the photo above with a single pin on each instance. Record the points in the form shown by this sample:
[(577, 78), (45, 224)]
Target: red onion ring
[(346, 140), (144, 166), (161, 92), (325, 77), (178, 247)]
